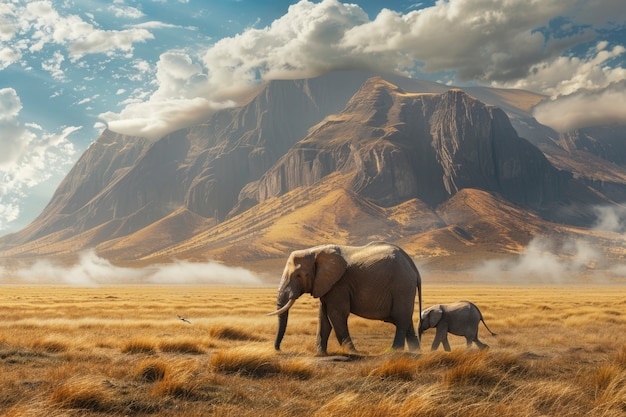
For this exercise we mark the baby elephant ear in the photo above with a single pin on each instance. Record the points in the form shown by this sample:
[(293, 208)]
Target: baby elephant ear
[(329, 268), (434, 316)]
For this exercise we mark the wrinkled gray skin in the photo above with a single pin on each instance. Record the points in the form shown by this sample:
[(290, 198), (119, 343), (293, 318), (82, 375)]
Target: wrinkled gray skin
[(460, 318), (377, 281)]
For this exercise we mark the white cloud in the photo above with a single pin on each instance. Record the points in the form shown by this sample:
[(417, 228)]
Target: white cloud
[(53, 65), (566, 75), (7, 25), (584, 108), (10, 104), (585, 91), (38, 24), (175, 75), (92, 270), (127, 12), (502, 44), (155, 119), (156, 25), (8, 56), (29, 155), (101, 41), (14, 138)]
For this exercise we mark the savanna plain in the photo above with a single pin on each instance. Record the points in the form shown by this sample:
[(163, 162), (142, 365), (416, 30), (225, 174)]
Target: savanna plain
[(123, 351)]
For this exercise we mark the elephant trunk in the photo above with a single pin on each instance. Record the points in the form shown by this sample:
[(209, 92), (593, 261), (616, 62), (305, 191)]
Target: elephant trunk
[(284, 303), (282, 326)]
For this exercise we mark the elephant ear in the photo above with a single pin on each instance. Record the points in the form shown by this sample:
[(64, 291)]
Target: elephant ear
[(434, 316), (329, 268)]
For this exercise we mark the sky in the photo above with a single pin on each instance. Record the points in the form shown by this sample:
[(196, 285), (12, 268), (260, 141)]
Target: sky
[(70, 69)]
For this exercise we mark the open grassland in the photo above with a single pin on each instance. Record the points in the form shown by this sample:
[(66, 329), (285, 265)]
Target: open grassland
[(124, 352)]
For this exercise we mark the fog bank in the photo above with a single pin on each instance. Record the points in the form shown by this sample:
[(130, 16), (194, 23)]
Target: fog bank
[(92, 270)]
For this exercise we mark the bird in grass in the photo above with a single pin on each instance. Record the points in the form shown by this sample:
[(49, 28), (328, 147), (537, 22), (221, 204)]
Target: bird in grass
[(183, 319)]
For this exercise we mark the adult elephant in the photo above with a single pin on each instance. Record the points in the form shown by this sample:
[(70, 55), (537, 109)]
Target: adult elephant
[(377, 281)]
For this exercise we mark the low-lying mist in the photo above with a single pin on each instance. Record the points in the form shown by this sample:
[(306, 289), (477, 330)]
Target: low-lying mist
[(548, 260), (92, 270), (545, 261)]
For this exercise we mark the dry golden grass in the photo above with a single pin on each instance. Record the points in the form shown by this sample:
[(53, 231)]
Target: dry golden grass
[(124, 352)]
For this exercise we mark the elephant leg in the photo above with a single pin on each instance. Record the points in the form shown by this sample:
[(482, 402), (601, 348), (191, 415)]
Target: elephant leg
[(435, 344), (339, 322), (441, 337), (411, 338), (323, 331), (446, 344), (480, 344), (398, 339), (468, 340)]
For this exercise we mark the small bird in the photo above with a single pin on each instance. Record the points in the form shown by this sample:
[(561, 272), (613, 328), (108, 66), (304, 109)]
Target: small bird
[(183, 319)]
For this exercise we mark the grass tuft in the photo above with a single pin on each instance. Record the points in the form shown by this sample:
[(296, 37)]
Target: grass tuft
[(399, 366), (190, 347), (152, 370), (298, 369), (81, 393), (50, 345), (620, 358), (474, 370), (253, 362), (136, 346), (230, 333)]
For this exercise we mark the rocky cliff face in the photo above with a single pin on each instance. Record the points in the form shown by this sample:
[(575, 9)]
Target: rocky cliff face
[(426, 146)]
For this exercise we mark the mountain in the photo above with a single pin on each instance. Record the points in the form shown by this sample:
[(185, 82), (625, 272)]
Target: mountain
[(346, 157)]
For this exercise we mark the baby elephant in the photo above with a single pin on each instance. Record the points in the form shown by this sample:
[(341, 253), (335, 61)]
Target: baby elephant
[(460, 318)]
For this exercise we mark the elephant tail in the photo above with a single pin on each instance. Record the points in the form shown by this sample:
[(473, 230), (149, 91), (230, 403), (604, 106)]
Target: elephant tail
[(487, 327)]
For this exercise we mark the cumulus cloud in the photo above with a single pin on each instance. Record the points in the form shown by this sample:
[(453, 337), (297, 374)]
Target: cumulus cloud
[(584, 90), (92, 270), (38, 24), (515, 44), (8, 56), (29, 155), (14, 138), (124, 11), (584, 108), (102, 41)]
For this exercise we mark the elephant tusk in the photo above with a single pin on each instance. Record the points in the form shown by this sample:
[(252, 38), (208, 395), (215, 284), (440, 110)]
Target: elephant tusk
[(282, 309)]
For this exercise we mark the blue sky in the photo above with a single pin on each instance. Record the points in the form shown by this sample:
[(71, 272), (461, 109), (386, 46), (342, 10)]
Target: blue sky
[(70, 68)]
